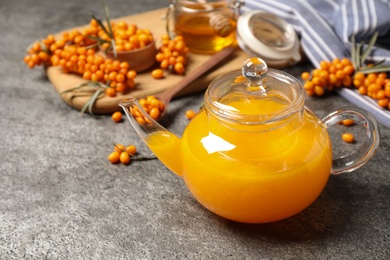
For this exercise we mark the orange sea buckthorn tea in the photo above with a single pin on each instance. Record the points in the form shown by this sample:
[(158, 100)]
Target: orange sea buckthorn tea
[(206, 26), (255, 154)]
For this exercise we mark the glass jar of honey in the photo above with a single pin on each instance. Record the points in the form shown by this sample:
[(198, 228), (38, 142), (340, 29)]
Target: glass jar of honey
[(207, 26)]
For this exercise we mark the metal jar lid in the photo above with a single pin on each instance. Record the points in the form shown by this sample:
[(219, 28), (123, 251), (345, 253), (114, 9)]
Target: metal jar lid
[(268, 36)]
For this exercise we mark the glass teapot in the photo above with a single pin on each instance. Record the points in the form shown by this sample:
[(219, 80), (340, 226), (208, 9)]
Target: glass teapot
[(255, 153)]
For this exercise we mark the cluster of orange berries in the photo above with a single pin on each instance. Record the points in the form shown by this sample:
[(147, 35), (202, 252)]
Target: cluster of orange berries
[(171, 56), (38, 54), (75, 53), (341, 73), (374, 85), (329, 75), (94, 67), (122, 154), (153, 106), (48, 46), (127, 37)]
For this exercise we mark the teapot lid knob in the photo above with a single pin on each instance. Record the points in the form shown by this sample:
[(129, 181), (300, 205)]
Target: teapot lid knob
[(254, 70)]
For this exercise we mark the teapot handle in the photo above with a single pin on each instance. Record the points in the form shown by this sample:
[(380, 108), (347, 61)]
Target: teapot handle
[(364, 153)]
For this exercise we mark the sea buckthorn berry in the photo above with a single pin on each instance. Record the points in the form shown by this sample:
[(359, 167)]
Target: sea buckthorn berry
[(308, 85), (383, 102), (347, 122), (387, 90), (319, 91), (154, 113), (380, 94), (140, 120), (179, 68), (348, 137), (316, 72), (357, 83), (340, 74), (332, 69), (114, 157), (119, 148), (347, 81), (332, 79), (116, 117), (111, 92), (154, 102), (158, 74), (316, 81), (348, 69), (131, 149), (131, 74), (305, 75), (371, 77), (325, 65), (310, 92), (164, 64), (345, 62), (124, 158), (190, 114), (324, 75), (363, 90), (359, 76)]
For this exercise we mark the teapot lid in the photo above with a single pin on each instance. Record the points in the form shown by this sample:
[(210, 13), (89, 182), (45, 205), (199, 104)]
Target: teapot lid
[(255, 94)]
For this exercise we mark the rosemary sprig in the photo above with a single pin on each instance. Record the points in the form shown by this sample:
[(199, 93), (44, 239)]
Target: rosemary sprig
[(107, 29), (85, 89), (359, 56)]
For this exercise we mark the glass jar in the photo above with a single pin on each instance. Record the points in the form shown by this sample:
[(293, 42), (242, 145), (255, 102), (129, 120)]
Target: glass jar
[(207, 26)]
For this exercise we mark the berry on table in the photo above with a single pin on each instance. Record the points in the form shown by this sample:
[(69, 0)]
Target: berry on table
[(114, 157), (190, 114), (116, 117)]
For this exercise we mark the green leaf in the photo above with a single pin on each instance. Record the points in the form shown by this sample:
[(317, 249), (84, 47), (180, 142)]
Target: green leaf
[(99, 40), (369, 47), (114, 48), (358, 59), (353, 53), (89, 104), (107, 30), (375, 69), (100, 23), (85, 89), (107, 13), (90, 84)]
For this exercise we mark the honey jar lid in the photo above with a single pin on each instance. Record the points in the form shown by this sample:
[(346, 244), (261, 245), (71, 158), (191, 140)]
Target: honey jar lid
[(268, 36)]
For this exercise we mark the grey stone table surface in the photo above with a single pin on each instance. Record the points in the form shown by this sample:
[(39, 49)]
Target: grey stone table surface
[(60, 198)]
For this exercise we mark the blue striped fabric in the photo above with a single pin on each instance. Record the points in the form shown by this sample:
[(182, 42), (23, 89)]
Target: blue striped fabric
[(325, 28)]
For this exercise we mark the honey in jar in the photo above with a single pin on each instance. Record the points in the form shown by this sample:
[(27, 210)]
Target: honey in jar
[(206, 26)]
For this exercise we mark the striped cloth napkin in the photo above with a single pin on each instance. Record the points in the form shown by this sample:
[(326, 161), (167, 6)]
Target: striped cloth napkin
[(326, 27)]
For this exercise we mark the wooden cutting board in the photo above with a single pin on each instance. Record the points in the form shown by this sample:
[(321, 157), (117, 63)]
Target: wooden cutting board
[(145, 83)]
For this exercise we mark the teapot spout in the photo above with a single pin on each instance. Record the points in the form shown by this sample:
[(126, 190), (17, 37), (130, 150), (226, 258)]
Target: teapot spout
[(164, 144)]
